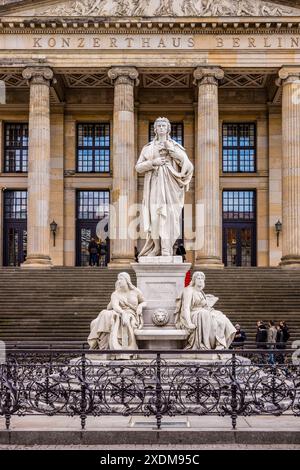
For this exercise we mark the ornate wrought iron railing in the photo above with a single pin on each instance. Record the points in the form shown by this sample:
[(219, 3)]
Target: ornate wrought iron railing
[(78, 382)]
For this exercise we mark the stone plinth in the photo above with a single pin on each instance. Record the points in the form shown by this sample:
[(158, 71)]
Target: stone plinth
[(167, 338), (161, 279)]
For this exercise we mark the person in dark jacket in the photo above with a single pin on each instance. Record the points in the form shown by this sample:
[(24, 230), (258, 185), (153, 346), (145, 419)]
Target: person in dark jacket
[(282, 338), (239, 339), (180, 251), (262, 339), (93, 252)]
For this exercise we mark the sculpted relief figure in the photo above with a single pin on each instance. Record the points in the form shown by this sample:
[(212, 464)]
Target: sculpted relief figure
[(139, 7), (122, 8), (114, 327), (167, 8), (188, 8), (168, 172), (208, 328)]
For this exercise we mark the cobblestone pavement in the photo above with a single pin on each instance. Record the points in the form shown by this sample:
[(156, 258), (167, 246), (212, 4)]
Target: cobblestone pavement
[(154, 447)]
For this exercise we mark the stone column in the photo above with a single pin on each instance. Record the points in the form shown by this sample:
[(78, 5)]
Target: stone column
[(38, 245), (289, 78), (207, 187), (124, 160)]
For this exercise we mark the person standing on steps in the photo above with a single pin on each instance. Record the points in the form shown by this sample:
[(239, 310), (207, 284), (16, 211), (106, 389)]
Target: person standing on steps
[(180, 251), (272, 335), (93, 252)]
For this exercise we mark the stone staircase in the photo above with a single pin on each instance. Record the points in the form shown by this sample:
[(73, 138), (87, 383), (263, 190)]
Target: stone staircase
[(58, 304)]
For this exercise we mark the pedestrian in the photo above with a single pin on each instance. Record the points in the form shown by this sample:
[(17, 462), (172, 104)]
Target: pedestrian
[(93, 252), (180, 251), (240, 338), (261, 339), (272, 335), (282, 338)]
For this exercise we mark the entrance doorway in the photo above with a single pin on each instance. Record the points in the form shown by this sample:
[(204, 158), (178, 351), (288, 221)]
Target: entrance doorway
[(15, 228), (92, 222), (239, 228)]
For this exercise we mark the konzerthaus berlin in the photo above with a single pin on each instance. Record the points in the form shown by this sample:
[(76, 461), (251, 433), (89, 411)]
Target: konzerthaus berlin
[(81, 85)]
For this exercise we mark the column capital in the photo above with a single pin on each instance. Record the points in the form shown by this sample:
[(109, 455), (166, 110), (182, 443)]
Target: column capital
[(288, 75), (124, 75), (208, 75), (38, 75)]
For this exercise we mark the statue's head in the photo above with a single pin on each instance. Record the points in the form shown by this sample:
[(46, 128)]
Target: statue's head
[(162, 126), (124, 281), (198, 280)]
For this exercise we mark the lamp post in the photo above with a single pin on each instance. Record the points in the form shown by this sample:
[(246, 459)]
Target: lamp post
[(278, 228), (53, 229)]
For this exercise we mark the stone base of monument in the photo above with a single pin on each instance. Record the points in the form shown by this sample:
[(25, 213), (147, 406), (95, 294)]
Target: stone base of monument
[(161, 338), (161, 279)]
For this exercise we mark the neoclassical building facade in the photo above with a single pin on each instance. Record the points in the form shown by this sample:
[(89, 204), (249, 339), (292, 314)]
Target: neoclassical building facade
[(81, 85)]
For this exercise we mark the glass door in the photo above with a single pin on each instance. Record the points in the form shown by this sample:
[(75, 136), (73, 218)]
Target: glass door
[(15, 228)]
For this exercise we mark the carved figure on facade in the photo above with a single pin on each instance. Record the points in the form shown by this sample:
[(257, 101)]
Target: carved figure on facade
[(188, 8), (140, 8), (179, 8), (165, 8), (122, 8)]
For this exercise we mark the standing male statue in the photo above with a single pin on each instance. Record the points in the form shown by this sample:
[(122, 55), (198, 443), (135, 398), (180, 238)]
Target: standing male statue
[(168, 172)]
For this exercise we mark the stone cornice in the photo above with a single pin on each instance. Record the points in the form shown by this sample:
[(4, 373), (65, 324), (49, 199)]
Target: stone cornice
[(18, 25)]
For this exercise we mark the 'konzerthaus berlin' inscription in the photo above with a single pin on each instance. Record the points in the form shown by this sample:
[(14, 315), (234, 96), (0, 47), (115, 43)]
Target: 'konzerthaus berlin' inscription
[(170, 42)]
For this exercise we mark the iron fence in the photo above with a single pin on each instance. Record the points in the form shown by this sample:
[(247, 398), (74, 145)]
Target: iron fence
[(78, 382)]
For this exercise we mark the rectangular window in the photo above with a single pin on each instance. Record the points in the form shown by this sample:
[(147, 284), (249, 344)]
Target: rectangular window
[(93, 148), (239, 205), (15, 205), (239, 148), (15, 148), (92, 205), (176, 132)]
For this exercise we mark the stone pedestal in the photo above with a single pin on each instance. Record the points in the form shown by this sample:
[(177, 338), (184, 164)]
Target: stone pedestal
[(207, 186), (38, 248), (290, 80), (161, 279)]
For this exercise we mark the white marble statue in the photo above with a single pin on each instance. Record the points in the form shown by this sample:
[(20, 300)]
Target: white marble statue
[(208, 328), (114, 327), (168, 172)]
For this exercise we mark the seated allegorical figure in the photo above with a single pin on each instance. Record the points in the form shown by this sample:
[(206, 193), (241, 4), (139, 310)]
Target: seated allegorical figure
[(114, 327), (208, 328)]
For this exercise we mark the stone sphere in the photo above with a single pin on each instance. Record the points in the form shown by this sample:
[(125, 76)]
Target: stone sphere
[(160, 317)]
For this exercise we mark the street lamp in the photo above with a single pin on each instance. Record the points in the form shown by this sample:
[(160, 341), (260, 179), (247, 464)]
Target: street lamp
[(278, 228), (53, 229)]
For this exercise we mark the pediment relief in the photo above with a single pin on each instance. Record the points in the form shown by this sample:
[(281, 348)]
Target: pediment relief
[(153, 8)]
